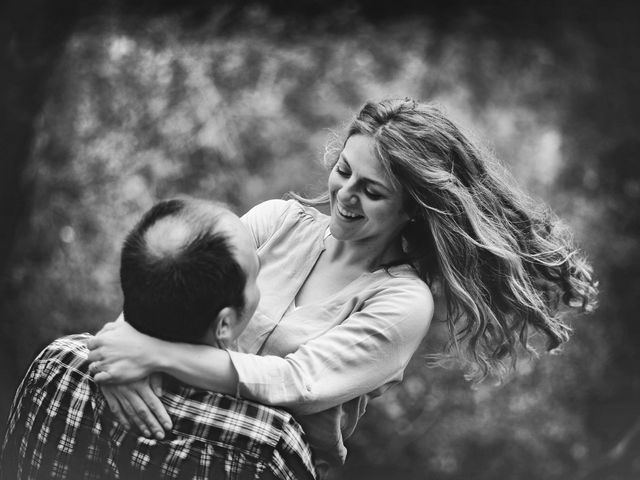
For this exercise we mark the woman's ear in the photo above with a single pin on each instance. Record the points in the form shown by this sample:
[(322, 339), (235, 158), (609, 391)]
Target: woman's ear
[(225, 326), (409, 208)]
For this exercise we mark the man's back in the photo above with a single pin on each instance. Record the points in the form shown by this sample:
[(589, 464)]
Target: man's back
[(60, 427)]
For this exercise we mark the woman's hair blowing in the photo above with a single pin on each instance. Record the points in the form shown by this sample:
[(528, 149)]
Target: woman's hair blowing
[(504, 264)]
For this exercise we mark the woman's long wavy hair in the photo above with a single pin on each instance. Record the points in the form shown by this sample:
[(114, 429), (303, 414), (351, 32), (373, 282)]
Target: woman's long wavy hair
[(505, 266)]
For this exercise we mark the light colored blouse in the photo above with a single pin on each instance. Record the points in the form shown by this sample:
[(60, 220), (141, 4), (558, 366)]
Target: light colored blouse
[(324, 361)]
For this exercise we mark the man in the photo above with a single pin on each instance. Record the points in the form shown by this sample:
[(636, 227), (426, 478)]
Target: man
[(188, 274)]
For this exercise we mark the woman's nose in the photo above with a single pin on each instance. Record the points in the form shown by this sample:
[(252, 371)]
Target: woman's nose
[(347, 195)]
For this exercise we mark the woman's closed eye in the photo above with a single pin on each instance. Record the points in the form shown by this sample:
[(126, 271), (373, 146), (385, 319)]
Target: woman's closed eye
[(342, 171), (372, 194)]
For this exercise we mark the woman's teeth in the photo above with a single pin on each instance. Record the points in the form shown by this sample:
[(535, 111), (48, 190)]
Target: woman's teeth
[(347, 214)]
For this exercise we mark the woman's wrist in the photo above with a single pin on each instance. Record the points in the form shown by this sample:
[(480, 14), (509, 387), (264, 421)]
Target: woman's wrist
[(201, 366), (160, 355)]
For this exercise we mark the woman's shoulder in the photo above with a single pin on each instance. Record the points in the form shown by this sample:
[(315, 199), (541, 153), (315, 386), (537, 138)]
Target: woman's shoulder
[(276, 208), (398, 301), (277, 212), (272, 216), (408, 289)]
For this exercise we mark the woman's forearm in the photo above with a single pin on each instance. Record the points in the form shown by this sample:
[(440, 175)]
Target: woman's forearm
[(201, 366)]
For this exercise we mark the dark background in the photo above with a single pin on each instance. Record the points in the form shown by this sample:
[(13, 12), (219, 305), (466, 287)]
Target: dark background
[(107, 107)]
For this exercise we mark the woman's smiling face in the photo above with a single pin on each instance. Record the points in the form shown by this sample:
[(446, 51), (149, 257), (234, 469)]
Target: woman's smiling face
[(365, 205)]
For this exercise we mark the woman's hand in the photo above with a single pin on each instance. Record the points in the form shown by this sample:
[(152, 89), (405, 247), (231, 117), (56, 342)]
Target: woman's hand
[(138, 403), (121, 354)]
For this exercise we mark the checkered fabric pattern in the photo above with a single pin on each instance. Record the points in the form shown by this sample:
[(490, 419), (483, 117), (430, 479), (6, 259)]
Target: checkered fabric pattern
[(61, 428)]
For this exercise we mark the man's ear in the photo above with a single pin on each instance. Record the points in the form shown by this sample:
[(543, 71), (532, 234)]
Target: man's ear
[(225, 326)]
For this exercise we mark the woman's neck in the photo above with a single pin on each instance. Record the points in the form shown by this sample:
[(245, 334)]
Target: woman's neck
[(367, 256)]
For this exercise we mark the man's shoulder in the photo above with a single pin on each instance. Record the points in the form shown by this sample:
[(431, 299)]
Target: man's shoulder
[(251, 423), (220, 405), (64, 357), (70, 349)]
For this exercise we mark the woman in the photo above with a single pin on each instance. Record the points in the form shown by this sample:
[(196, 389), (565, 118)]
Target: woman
[(346, 298)]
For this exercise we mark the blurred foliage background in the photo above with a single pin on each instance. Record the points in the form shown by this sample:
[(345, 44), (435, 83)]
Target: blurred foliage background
[(108, 107)]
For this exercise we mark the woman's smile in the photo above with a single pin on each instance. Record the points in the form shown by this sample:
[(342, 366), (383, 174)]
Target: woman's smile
[(347, 214)]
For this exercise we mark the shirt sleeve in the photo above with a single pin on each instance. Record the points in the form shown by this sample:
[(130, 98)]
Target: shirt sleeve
[(264, 219), (18, 428), (369, 349)]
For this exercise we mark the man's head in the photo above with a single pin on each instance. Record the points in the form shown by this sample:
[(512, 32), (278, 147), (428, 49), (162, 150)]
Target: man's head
[(188, 273)]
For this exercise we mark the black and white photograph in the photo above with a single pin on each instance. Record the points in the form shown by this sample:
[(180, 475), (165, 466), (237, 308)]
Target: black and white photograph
[(320, 240)]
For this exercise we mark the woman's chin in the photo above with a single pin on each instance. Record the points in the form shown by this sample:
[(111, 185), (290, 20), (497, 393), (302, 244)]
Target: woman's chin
[(336, 231), (342, 232)]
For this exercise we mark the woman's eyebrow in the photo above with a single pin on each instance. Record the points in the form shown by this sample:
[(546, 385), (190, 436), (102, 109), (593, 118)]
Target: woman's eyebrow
[(366, 179)]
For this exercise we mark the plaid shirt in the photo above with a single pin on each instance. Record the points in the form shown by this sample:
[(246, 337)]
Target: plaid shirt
[(60, 427)]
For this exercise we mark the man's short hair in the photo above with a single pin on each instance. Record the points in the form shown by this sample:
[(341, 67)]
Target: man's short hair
[(178, 271)]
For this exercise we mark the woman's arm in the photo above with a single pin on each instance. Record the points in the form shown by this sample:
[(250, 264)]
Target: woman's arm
[(369, 349), (201, 366), (121, 354)]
